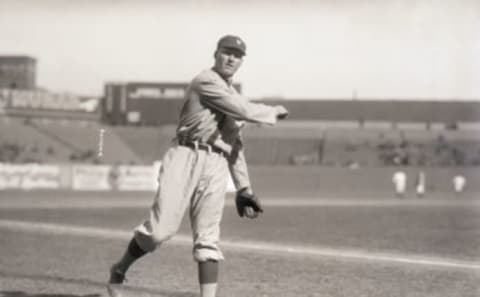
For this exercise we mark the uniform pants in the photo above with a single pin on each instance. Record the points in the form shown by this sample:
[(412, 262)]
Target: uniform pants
[(190, 179)]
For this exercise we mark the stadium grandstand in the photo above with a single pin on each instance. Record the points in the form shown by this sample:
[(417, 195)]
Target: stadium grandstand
[(116, 140), (17, 72), (138, 123)]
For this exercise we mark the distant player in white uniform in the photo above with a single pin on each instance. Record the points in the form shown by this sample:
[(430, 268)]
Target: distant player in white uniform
[(195, 171), (420, 184), (399, 180), (459, 183)]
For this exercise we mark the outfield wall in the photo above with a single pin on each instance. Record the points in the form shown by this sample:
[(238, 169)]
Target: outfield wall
[(272, 181), (79, 177)]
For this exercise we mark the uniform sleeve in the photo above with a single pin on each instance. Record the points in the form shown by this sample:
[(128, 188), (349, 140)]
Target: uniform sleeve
[(239, 172), (238, 166), (215, 96)]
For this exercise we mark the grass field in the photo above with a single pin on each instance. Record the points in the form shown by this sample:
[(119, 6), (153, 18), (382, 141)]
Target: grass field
[(61, 245)]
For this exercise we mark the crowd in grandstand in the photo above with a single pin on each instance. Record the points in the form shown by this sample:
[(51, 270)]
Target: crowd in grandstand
[(439, 152), (11, 152), (384, 152), (68, 144)]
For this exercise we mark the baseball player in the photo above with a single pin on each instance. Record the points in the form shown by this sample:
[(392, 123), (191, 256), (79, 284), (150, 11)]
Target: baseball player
[(194, 171), (420, 184), (399, 180), (459, 182)]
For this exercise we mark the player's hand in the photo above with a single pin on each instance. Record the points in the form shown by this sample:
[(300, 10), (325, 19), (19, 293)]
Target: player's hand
[(247, 204), (282, 112)]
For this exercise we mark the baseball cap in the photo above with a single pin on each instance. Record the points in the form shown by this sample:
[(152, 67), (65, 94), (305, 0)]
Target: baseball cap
[(232, 41)]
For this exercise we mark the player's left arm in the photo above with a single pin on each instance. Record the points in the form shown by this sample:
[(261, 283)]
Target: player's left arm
[(238, 166), (247, 203)]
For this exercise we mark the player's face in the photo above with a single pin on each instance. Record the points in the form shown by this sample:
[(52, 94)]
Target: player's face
[(227, 61)]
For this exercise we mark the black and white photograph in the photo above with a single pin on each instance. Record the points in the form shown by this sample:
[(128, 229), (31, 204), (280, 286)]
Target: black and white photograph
[(220, 148)]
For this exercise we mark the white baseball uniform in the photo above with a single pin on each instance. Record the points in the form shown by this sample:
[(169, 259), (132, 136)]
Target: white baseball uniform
[(420, 183), (400, 181), (194, 171), (459, 182)]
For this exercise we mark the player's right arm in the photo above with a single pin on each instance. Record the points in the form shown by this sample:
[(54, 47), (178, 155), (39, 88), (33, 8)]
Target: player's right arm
[(214, 94)]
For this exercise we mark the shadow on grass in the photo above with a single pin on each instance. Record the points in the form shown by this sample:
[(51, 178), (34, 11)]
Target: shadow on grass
[(24, 294), (101, 286)]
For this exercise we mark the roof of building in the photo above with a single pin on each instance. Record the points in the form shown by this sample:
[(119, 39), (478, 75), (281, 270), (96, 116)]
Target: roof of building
[(16, 58)]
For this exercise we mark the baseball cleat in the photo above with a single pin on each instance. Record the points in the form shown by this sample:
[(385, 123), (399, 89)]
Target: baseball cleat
[(117, 277)]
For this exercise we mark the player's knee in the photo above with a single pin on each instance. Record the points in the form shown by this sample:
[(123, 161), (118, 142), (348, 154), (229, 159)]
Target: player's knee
[(151, 240), (163, 234), (202, 253)]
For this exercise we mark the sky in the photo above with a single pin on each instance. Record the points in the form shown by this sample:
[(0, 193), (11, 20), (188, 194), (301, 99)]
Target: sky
[(325, 49)]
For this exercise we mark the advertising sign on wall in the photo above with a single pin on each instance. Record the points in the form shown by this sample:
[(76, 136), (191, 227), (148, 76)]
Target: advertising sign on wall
[(29, 176), (91, 177), (44, 100), (134, 178)]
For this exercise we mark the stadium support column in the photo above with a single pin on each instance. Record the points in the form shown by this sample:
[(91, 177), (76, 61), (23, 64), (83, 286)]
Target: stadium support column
[(115, 104)]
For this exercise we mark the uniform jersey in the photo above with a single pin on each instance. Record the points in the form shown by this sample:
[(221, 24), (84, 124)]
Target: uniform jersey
[(196, 179), (193, 177), (459, 182), (214, 113), (420, 183), (400, 181)]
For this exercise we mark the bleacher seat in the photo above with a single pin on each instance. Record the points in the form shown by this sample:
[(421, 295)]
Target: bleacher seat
[(297, 143), (34, 146)]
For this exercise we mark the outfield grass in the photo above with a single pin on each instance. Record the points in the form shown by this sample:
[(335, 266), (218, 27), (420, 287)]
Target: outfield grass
[(52, 266), (44, 264), (438, 230)]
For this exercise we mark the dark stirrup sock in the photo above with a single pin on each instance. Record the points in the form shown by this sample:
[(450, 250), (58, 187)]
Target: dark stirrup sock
[(208, 272), (135, 250)]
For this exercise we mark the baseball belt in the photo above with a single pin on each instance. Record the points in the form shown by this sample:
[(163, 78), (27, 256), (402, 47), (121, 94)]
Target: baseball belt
[(202, 146)]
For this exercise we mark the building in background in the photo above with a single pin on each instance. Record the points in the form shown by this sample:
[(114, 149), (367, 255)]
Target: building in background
[(144, 103), (158, 103), (18, 72), (21, 97)]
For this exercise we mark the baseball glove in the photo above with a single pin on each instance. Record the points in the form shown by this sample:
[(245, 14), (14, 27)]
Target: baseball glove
[(247, 204)]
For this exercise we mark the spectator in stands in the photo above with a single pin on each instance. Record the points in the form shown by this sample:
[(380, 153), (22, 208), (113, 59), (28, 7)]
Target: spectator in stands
[(50, 151), (441, 144), (422, 158), (400, 157), (458, 157)]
